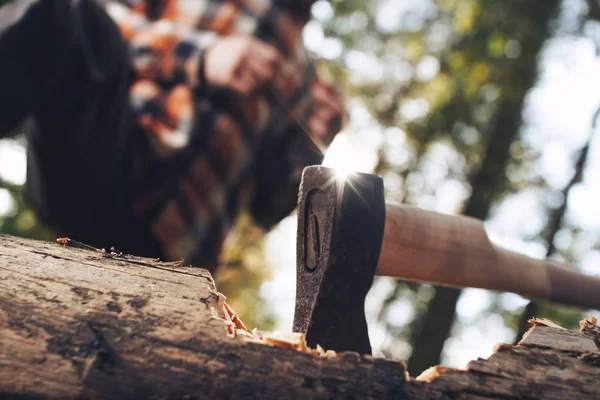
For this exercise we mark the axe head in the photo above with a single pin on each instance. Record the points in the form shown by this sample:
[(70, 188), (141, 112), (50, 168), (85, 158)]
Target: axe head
[(340, 231)]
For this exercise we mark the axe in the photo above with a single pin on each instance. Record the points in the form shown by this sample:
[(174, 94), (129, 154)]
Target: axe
[(347, 234)]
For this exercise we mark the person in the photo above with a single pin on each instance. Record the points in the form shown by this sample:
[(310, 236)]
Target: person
[(151, 125)]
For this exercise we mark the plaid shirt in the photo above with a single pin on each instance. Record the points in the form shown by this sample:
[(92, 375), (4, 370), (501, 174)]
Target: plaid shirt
[(206, 154)]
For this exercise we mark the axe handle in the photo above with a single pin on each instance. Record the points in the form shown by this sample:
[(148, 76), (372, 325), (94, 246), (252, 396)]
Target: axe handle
[(427, 246)]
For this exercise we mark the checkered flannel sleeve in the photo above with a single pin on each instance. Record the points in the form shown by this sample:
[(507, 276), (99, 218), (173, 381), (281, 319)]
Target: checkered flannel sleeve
[(276, 191), (162, 50), (164, 54)]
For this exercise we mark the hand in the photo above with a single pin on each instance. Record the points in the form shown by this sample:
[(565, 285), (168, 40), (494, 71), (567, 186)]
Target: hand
[(325, 120), (240, 63)]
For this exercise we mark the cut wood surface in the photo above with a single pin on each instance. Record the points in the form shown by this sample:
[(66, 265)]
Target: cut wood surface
[(78, 323)]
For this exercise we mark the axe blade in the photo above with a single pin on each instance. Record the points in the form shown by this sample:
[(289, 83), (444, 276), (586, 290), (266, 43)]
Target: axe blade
[(340, 232)]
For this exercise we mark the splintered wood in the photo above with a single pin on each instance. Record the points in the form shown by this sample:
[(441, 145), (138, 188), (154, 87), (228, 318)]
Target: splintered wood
[(294, 341)]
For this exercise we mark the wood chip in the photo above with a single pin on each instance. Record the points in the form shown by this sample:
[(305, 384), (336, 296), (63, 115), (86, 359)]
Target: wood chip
[(590, 326), (544, 322), (432, 373), (234, 317), (294, 341), (65, 241)]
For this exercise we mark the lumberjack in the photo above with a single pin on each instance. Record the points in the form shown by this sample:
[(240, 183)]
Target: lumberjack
[(347, 233), (154, 123)]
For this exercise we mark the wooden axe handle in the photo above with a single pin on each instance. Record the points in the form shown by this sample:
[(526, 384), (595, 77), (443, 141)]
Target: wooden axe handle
[(427, 246)]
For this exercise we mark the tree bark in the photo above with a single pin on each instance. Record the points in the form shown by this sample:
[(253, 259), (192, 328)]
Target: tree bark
[(550, 363), (84, 324)]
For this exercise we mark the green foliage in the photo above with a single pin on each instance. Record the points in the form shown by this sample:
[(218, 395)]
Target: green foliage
[(19, 220), (242, 272)]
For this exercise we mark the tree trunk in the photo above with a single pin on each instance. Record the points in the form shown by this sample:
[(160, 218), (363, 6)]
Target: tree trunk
[(84, 324)]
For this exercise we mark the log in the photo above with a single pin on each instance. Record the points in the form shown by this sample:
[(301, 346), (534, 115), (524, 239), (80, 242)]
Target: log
[(548, 363), (77, 323), (83, 324)]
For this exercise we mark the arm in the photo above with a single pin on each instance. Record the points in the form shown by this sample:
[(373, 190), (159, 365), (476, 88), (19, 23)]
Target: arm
[(67, 66), (281, 161), (169, 51), (174, 64)]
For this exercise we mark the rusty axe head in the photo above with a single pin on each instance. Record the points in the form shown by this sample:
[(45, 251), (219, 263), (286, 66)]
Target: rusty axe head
[(340, 231)]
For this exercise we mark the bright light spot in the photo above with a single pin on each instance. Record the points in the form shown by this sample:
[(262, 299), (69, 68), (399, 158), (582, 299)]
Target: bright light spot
[(590, 264), (389, 15), (409, 16), (342, 155), (13, 161), (382, 287), (427, 68), (401, 312), (583, 199), (511, 242), (377, 336), (331, 48), (472, 302), (512, 302), (280, 291), (322, 11), (476, 340), (313, 35), (358, 20), (510, 214), (512, 49), (414, 109), (563, 239), (396, 151), (401, 350), (449, 195), (490, 92), (562, 104), (469, 135), (342, 174), (555, 163), (363, 66), (6, 202)]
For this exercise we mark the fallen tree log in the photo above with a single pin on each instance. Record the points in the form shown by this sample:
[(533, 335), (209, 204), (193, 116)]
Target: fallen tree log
[(77, 323), (80, 323)]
